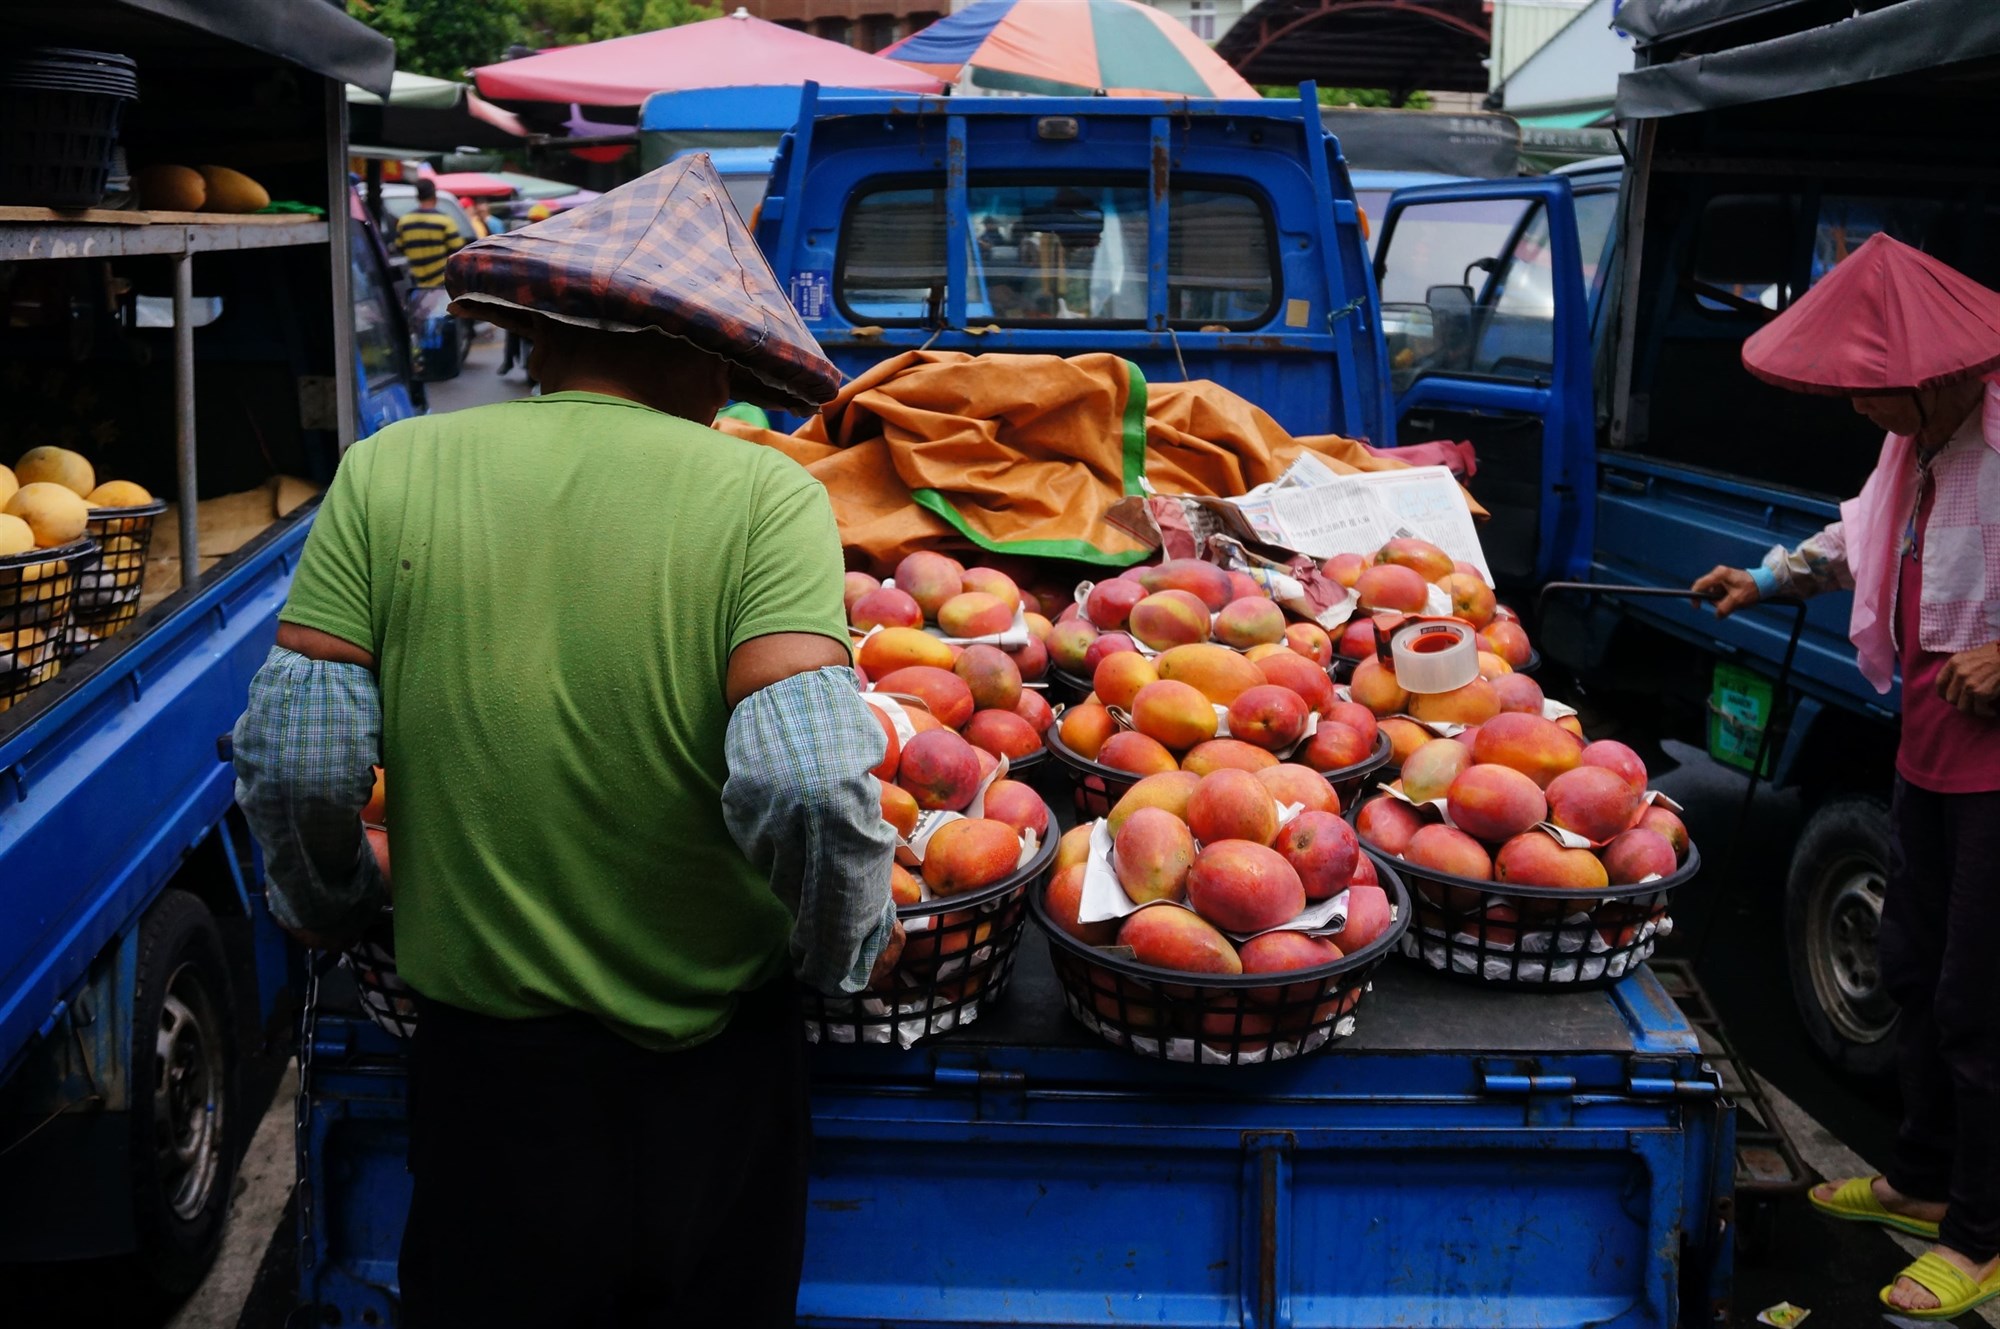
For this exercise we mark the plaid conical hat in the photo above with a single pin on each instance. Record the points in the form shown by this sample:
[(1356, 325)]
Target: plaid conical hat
[(665, 253)]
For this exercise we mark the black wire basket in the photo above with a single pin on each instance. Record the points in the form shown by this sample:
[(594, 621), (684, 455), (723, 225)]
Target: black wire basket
[(957, 961), (107, 594), (385, 997), (1212, 1019), (37, 600), (1066, 688), (1549, 939)]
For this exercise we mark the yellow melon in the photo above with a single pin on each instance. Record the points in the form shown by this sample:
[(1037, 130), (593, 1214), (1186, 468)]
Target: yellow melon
[(59, 466), (170, 188), (118, 494), (8, 484), (16, 536), (232, 191), (55, 513)]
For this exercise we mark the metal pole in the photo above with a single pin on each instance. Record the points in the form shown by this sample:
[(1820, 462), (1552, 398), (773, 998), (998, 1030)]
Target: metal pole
[(184, 414), (340, 265)]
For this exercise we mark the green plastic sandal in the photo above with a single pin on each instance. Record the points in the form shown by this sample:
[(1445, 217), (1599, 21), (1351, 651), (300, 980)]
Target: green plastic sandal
[(1855, 1202), (1952, 1286)]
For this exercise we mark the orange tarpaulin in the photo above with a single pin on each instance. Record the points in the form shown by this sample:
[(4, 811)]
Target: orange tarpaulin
[(1024, 454)]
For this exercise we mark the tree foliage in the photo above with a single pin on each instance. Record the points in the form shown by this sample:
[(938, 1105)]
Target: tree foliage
[(566, 22), (442, 38), (1365, 97)]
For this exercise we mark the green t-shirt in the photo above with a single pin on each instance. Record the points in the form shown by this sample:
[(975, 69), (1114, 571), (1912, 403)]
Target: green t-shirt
[(552, 589)]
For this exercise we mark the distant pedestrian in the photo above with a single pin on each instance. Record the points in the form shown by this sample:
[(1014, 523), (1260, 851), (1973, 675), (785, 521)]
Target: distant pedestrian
[(1912, 341), (426, 238)]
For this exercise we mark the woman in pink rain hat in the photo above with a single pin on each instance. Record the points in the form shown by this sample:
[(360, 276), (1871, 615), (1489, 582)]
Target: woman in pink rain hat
[(1915, 345)]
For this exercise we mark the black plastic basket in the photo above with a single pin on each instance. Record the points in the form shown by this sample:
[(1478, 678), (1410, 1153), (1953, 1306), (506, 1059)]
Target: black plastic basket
[(107, 595), (1348, 780), (61, 110), (1213, 1019), (37, 599), (957, 961), (1067, 688), (1551, 939)]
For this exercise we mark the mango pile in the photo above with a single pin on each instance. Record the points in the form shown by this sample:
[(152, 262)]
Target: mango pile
[(47, 499)]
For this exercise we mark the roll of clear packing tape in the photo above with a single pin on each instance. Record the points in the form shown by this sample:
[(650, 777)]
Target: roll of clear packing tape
[(1432, 656)]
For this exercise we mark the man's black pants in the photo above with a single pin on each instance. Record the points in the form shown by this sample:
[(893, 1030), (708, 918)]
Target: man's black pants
[(1940, 924), (565, 1177)]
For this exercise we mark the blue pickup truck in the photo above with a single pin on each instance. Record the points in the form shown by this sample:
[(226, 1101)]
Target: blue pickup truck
[(1466, 1157), (138, 966), (1584, 331)]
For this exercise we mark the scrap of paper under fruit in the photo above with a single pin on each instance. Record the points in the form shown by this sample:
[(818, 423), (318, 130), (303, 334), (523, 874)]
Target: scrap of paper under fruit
[(1784, 1315)]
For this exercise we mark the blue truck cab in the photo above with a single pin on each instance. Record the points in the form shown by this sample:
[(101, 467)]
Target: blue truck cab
[(1764, 144)]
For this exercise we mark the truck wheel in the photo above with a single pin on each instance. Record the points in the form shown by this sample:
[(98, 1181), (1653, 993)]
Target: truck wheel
[(1833, 914), (183, 1074)]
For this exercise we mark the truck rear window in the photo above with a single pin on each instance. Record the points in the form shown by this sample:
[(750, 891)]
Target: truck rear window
[(1047, 252)]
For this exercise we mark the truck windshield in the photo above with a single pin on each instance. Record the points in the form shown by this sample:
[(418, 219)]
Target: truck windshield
[(1048, 251)]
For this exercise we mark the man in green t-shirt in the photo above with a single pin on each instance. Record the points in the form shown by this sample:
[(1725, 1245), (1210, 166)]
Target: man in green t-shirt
[(599, 650)]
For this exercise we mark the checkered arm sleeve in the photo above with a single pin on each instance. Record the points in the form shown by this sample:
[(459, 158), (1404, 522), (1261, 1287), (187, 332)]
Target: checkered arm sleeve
[(1819, 564), (305, 752), (803, 808)]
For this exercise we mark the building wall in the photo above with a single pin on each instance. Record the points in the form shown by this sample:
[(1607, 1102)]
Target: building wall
[(1521, 27), (867, 25), (1209, 18)]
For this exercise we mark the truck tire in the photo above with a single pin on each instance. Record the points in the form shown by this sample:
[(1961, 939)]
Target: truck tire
[(183, 1100), (1833, 912)]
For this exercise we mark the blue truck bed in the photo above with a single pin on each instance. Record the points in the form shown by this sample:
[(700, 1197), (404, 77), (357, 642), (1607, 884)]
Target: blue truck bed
[(1469, 1157)]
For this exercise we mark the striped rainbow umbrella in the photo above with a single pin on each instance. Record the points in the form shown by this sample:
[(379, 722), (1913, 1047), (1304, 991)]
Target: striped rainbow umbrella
[(1070, 48)]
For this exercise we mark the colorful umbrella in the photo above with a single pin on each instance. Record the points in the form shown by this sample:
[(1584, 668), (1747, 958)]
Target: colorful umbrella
[(1888, 318), (715, 53), (473, 184), (1071, 47)]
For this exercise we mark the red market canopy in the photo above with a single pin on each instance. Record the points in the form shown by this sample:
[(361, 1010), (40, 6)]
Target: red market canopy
[(473, 184), (1888, 318), (715, 53)]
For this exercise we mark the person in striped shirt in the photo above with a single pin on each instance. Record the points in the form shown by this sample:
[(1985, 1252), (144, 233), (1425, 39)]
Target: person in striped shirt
[(426, 237)]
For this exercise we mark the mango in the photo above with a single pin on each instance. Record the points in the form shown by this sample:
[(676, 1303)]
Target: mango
[(885, 769), (993, 582), (1039, 625), (1018, 805), (940, 689), (1106, 643), (1322, 849), (1291, 782), (1067, 643), (1174, 714), (1356, 717), (1387, 824), (1376, 688), (899, 648), (1474, 703), (904, 888), (1529, 744), (1216, 672), (16, 536), (1471, 598), (1518, 694), (967, 854), (1492, 666), (1616, 757), (1169, 618), (1135, 752), (853, 586), (1206, 582), (1169, 938), (1287, 669), (1243, 586), (1420, 556), (1335, 746), (1269, 717), (1405, 737), (1494, 803), (1345, 568), (1594, 802), (1388, 586), (1232, 805), (1167, 791), (56, 466), (990, 676), (9, 482), (1110, 603), (1221, 754), (1031, 659), (1444, 849), (1084, 729), (1264, 651), (899, 808), (1035, 709), (1002, 733), (1285, 952), (55, 513), (1431, 769), (1248, 622), (1074, 846), (1369, 915), (1535, 859), (1064, 900), (929, 579), (974, 614), (1119, 677), (1241, 886), (940, 769), (1365, 873), (1357, 638), (1151, 854), (1311, 641), (118, 494), (1506, 639), (231, 191), (1637, 854), (1569, 724), (1663, 821)]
